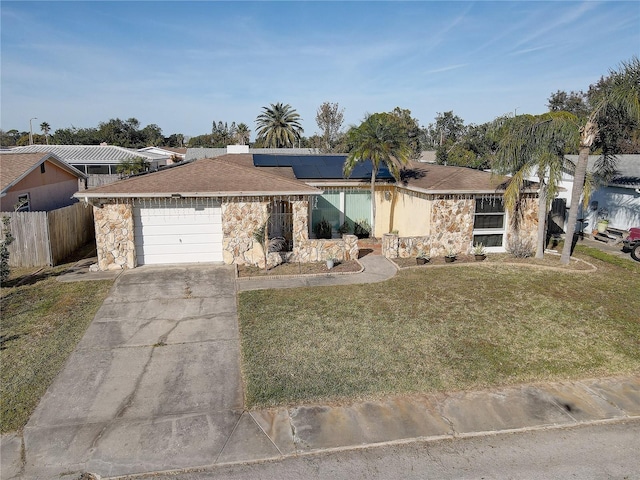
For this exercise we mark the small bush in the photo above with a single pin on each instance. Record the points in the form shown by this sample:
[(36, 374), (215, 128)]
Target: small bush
[(362, 229), (521, 247), (344, 228), (5, 270), (322, 229)]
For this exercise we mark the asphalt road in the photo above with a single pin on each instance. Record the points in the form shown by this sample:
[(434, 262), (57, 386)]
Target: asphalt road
[(604, 451)]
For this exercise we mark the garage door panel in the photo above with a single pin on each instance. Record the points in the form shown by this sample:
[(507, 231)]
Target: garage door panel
[(185, 232), (168, 258), (177, 230), (177, 249), (195, 239), (181, 220)]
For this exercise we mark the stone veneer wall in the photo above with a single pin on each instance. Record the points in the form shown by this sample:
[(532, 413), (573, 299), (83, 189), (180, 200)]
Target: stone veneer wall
[(452, 227), (523, 224), (114, 236), (240, 218), (452, 223), (307, 250), (394, 246)]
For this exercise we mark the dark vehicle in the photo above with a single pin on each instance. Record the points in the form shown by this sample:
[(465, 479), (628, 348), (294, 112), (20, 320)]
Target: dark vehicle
[(632, 243)]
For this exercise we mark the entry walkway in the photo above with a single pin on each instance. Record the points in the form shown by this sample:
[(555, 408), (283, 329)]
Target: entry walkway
[(376, 269)]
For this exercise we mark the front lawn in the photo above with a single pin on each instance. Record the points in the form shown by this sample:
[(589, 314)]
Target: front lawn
[(441, 329), (42, 321)]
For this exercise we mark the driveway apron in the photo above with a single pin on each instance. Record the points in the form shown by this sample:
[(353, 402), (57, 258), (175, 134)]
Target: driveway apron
[(154, 383)]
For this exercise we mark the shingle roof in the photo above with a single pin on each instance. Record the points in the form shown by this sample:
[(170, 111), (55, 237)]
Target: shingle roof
[(95, 154), (208, 177), (446, 179), (15, 166)]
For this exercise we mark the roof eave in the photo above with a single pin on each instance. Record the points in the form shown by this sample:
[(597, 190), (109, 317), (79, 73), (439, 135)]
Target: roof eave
[(88, 194)]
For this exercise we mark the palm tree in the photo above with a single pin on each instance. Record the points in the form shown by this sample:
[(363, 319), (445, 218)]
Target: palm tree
[(381, 139), (622, 95), (45, 127), (534, 145), (242, 133), (279, 126)]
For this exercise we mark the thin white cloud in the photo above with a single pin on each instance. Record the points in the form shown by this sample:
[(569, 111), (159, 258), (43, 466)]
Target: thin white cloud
[(447, 68)]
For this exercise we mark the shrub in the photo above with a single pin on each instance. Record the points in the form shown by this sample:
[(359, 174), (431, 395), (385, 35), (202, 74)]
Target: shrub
[(521, 247), (322, 229), (4, 249), (362, 229), (344, 228)]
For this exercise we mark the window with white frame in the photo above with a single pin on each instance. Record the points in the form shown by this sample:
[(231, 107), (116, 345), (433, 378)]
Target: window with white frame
[(489, 223)]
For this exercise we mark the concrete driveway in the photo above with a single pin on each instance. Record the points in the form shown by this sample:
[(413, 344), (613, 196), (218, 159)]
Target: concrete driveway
[(154, 383)]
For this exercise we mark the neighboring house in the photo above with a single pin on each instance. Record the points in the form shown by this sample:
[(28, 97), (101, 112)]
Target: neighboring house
[(203, 152), (174, 155), (99, 162), (37, 182), (210, 209), (618, 199)]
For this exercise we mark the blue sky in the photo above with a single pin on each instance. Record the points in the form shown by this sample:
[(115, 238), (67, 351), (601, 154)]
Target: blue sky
[(182, 65)]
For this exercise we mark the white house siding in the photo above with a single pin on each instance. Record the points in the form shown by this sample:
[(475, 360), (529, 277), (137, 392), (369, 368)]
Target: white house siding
[(623, 205)]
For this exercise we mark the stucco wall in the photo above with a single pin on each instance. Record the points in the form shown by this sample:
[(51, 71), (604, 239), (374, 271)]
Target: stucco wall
[(47, 191), (411, 213), (114, 236)]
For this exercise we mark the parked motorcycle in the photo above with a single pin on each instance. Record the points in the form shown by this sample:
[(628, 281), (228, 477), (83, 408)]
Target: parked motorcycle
[(632, 243)]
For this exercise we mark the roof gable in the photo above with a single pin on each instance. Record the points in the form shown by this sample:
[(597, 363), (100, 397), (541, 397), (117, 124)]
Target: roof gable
[(16, 166)]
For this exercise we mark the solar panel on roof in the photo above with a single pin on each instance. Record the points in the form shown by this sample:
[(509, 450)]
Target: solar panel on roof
[(328, 167)]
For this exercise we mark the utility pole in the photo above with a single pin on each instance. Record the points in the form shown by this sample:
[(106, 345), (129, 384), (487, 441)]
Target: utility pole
[(31, 130)]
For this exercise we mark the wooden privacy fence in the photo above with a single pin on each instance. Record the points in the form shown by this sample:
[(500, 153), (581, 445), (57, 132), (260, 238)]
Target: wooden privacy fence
[(46, 238)]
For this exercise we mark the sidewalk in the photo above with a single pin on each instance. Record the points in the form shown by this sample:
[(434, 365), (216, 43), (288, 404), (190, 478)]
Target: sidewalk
[(376, 269), (274, 434)]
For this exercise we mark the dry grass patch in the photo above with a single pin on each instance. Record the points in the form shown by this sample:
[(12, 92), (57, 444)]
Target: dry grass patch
[(42, 321), (439, 329)]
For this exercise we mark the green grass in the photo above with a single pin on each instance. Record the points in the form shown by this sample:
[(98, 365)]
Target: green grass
[(42, 321), (443, 329)]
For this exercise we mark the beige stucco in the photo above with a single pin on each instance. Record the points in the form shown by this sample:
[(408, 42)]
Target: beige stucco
[(404, 211), (47, 191)]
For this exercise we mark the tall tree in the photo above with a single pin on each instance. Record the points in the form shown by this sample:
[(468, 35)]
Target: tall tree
[(535, 145), (243, 133), (576, 103), (46, 128), (329, 118), (411, 128), (381, 139), (620, 97), (279, 126)]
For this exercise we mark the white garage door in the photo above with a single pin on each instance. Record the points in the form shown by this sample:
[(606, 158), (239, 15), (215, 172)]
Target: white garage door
[(181, 231)]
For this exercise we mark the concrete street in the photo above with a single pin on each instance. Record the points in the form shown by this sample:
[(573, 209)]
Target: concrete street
[(591, 452)]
